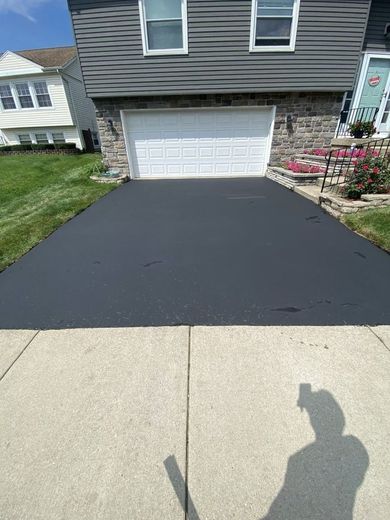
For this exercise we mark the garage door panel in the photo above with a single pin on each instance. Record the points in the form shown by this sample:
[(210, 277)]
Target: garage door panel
[(198, 142)]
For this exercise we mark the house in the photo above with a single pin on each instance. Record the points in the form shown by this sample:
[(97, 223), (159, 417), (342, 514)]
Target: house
[(43, 100), (196, 88)]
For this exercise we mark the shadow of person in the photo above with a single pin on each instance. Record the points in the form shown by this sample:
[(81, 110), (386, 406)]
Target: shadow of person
[(322, 479)]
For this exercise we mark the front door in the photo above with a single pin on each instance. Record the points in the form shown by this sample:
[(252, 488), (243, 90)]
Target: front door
[(375, 92)]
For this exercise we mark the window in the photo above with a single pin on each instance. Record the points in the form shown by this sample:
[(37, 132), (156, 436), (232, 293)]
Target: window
[(95, 139), (41, 138), (42, 94), (7, 99), (58, 137), (274, 25), (164, 26), (24, 139), (24, 95)]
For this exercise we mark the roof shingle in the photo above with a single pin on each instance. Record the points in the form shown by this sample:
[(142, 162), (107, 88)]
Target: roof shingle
[(53, 57)]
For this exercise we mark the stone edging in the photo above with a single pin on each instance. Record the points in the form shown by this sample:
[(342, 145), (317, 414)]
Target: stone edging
[(110, 180), (338, 206)]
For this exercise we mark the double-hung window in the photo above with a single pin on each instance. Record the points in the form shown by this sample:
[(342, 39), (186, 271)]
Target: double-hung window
[(164, 26), (24, 95), (274, 25), (58, 137), (42, 94), (24, 139), (7, 99), (41, 138)]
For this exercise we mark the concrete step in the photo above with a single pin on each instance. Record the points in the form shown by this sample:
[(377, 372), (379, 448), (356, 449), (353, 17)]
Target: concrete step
[(311, 192)]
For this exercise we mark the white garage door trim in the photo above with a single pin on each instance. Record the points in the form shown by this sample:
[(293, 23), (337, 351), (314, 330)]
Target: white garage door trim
[(266, 143)]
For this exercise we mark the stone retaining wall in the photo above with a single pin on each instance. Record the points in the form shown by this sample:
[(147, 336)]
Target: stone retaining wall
[(338, 206), (314, 119), (290, 179)]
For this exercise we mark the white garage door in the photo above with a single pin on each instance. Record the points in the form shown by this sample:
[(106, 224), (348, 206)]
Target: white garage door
[(198, 143)]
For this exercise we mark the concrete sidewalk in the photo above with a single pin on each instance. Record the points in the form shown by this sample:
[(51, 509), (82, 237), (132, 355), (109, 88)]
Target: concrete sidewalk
[(147, 423)]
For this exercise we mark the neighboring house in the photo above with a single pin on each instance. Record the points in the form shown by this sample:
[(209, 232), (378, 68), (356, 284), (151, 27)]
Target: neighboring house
[(195, 88), (42, 98)]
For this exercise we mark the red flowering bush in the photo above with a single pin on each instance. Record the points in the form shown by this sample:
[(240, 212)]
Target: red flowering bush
[(371, 174), (298, 167)]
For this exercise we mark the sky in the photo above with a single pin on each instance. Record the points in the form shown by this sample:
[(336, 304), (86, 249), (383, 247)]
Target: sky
[(34, 24)]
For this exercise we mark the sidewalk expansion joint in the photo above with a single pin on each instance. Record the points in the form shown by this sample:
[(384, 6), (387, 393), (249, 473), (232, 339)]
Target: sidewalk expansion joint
[(18, 356), (378, 337)]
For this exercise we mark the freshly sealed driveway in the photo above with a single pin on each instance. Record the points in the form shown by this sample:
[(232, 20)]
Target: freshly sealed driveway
[(202, 252)]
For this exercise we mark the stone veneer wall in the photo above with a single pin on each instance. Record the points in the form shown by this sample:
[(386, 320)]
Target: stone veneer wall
[(314, 119)]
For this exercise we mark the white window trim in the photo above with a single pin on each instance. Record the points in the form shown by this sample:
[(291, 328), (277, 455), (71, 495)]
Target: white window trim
[(13, 88), (274, 48), (25, 133), (12, 85), (44, 132), (35, 95), (16, 101), (163, 52)]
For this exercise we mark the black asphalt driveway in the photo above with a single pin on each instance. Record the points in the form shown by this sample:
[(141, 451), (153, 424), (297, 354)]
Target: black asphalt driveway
[(212, 252)]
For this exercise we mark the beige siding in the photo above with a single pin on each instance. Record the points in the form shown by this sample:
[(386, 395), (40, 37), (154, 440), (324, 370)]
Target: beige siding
[(70, 134), (12, 64), (82, 107), (57, 115)]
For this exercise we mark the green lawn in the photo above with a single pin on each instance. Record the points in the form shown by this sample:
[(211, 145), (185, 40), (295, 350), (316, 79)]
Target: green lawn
[(38, 193), (374, 224)]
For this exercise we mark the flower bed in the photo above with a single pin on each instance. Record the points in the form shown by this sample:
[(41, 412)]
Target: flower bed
[(298, 167), (355, 152), (319, 152)]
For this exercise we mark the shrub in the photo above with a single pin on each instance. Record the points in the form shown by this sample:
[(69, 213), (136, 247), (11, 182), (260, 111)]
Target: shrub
[(42, 146), (371, 174), (97, 168), (297, 167), (15, 147), (21, 147), (65, 146)]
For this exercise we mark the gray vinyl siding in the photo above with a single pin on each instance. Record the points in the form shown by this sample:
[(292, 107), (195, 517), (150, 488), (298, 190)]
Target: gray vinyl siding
[(379, 17), (108, 35)]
